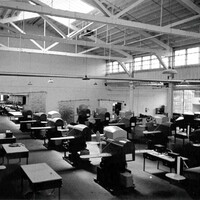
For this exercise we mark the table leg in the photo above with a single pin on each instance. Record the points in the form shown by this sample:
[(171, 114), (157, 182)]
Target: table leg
[(65, 154), (158, 164), (59, 193), (144, 164), (27, 160), (34, 194), (22, 184)]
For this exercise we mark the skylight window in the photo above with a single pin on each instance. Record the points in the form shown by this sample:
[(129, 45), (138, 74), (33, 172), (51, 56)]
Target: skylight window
[(70, 5), (66, 5)]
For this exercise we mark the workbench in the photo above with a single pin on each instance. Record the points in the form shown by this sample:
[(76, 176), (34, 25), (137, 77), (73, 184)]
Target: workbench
[(41, 177)]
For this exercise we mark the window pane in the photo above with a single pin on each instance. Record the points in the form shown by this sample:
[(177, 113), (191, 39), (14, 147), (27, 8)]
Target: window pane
[(165, 60), (128, 66), (115, 67), (146, 62), (121, 68), (154, 62), (188, 97), (193, 56), (178, 101), (138, 63), (180, 57), (109, 68)]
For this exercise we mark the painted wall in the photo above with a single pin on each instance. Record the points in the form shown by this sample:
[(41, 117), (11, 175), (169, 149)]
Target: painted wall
[(72, 89), (60, 89)]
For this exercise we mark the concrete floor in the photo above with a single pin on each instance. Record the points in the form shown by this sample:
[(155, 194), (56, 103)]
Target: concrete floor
[(79, 183)]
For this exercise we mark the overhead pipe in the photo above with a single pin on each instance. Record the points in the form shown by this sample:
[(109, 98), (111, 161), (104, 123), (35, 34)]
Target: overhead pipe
[(40, 75)]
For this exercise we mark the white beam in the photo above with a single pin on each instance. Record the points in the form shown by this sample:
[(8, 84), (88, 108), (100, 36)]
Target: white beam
[(160, 43), (117, 50), (183, 21), (37, 2), (26, 50), (9, 28), (129, 8), (21, 31), (51, 46), (102, 19), (75, 33), (80, 42), (54, 26), (161, 61), (190, 5), (167, 47), (102, 8), (21, 17), (88, 50), (124, 68), (107, 13)]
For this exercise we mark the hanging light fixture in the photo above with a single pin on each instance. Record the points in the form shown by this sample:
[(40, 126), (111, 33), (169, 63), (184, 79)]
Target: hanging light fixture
[(50, 80), (30, 83), (169, 71), (85, 78)]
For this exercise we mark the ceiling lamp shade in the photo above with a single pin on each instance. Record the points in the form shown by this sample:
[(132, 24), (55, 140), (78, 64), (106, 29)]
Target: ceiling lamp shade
[(169, 71), (50, 80), (85, 78)]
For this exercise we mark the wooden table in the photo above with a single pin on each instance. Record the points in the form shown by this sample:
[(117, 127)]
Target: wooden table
[(166, 159), (6, 140), (41, 177), (155, 156), (15, 150)]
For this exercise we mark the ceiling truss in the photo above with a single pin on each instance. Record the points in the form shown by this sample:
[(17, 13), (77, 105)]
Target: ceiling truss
[(107, 19)]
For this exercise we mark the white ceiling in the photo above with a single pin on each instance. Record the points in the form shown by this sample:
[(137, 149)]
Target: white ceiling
[(107, 29)]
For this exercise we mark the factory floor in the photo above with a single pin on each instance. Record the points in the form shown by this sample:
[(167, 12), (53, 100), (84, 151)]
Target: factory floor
[(78, 183)]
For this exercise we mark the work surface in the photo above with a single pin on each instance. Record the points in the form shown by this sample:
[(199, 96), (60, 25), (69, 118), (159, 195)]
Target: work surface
[(40, 172), (14, 148)]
